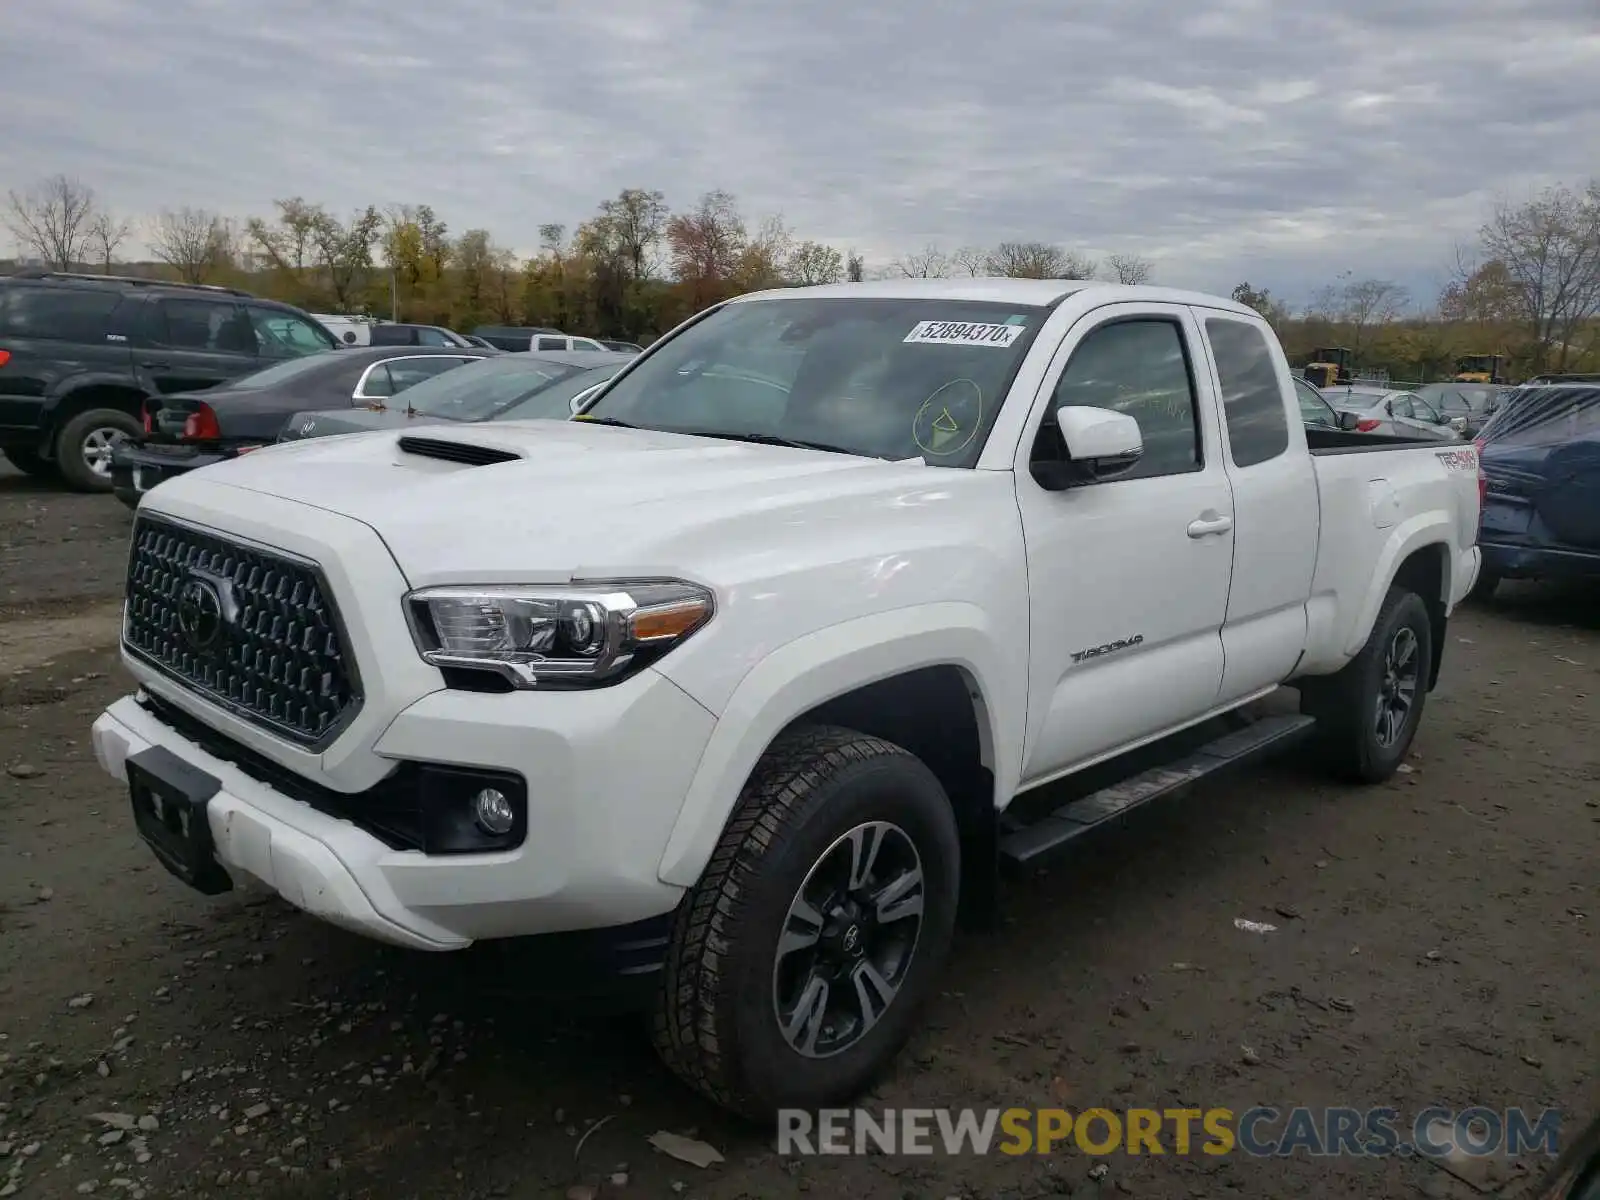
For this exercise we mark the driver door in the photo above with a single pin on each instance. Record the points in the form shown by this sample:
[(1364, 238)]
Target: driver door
[(1128, 577)]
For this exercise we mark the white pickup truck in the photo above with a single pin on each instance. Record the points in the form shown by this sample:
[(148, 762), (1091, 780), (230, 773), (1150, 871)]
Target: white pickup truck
[(752, 672)]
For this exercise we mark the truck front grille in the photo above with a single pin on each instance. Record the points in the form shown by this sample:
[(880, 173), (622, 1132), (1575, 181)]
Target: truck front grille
[(251, 629)]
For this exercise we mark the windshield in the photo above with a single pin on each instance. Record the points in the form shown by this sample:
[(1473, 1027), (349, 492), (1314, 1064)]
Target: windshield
[(1545, 416), (1459, 400), (887, 378), (293, 368), (554, 400), (484, 390)]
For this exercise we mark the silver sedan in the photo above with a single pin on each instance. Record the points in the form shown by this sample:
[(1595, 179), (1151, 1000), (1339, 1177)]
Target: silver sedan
[(1394, 413)]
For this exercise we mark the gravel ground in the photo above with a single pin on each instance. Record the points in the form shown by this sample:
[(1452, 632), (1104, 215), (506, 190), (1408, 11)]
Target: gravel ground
[(1434, 944)]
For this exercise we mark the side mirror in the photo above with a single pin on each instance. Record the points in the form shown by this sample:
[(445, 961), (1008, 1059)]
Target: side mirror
[(1459, 424), (1101, 444), (1348, 421)]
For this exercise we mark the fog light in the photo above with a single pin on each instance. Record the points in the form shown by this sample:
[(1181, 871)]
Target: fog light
[(493, 812)]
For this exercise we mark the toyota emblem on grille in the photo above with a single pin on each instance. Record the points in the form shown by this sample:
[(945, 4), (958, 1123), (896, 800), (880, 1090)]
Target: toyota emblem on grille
[(200, 614)]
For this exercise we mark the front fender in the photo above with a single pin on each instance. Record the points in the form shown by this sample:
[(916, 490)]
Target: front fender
[(830, 662)]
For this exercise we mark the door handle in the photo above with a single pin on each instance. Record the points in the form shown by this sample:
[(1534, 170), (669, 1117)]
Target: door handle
[(157, 366), (1206, 526)]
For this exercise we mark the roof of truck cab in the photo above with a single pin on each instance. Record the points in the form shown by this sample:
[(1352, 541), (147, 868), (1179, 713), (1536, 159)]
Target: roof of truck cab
[(1036, 292)]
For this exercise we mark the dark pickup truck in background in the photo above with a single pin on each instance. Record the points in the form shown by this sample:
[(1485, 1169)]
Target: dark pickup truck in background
[(80, 354)]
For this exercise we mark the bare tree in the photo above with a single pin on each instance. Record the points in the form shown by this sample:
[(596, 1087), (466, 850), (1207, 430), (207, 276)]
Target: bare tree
[(929, 263), (971, 261), (1549, 249), (106, 234), (1038, 260), (1129, 268), (855, 267), (1362, 305), (765, 256), (192, 241), (51, 221), (706, 242), (813, 263)]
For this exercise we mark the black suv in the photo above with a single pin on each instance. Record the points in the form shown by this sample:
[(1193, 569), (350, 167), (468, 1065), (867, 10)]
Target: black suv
[(80, 353)]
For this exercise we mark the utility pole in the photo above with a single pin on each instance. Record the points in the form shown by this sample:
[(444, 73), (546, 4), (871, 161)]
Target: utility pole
[(394, 295)]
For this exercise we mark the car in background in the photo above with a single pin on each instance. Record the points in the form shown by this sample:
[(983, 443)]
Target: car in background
[(514, 338), (183, 433), (1391, 413), (80, 355), (1540, 459), (1315, 411), (1474, 403), (622, 347), (545, 342), (348, 331), (509, 387), (391, 333)]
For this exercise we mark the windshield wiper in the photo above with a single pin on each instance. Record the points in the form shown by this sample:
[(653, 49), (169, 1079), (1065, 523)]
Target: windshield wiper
[(612, 421), (772, 439)]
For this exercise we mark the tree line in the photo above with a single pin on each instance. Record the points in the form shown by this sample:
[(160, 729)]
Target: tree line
[(1527, 287)]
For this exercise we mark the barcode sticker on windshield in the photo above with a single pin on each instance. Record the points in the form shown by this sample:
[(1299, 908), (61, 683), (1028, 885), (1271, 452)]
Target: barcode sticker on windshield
[(964, 333)]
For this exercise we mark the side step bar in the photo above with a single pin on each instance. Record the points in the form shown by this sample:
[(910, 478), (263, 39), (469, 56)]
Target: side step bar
[(1021, 845)]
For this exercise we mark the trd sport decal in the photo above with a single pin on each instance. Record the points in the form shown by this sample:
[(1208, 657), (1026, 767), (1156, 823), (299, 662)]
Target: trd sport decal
[(1109, 648)]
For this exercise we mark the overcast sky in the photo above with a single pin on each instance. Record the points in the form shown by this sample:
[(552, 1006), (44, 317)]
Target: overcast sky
[(1267, 140)]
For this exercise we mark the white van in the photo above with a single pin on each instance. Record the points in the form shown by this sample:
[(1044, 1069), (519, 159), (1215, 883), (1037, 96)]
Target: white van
[(350, 331)]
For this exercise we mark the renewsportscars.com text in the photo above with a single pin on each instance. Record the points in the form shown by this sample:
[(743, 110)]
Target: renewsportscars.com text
[(1261, 1132)]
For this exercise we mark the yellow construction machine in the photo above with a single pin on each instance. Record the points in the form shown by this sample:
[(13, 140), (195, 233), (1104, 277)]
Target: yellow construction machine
[(1479, 368), (1329, 365)]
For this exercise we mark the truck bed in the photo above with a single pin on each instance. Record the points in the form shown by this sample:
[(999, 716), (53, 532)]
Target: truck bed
[(1341, 441)]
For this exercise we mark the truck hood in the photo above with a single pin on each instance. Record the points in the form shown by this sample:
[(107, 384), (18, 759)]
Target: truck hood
[(577, 500)]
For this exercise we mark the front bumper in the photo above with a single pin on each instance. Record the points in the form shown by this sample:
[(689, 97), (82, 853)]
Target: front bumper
[(606, 773)]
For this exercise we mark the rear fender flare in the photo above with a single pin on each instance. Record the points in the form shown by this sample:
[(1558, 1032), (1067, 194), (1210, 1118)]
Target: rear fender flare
[(1426, 529)]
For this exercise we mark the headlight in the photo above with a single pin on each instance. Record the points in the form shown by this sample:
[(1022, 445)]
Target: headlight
[(576, 636)]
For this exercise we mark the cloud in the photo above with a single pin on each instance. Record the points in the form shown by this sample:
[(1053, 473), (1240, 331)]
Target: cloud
[(1252, 139)]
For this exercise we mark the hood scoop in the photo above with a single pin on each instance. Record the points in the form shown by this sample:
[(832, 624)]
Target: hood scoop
[(466, 453)]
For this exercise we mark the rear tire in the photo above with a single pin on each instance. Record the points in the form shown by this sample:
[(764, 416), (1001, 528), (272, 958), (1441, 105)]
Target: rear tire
[(775, 983), (83, 447), (29, 461), (1368, 712)]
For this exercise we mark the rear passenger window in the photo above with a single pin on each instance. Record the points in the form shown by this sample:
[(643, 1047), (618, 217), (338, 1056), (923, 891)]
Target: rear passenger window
[(403, 372), (552, 343), (213, 325), (377, 382), (1138, 368), (57, 313), (1252, 401)]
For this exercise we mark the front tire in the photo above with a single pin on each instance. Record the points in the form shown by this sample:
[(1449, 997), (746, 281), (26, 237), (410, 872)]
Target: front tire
[(84, 445), (799, 961), (1368, 712)]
